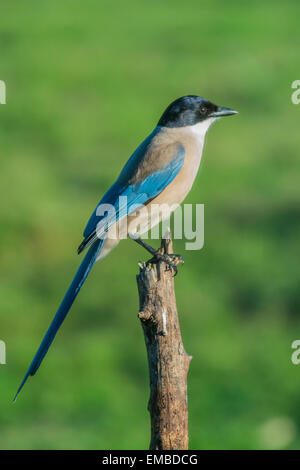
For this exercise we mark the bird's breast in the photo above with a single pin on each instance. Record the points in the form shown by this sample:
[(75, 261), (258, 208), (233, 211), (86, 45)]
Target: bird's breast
[(160, 207), (178, 189)]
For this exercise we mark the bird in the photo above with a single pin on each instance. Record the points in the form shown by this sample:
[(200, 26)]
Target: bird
[(160, 172)]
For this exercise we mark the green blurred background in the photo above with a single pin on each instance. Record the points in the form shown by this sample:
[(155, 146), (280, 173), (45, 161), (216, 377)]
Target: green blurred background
[(86, 82)]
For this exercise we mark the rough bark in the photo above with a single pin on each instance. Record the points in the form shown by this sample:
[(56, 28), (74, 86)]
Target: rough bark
[(168, 362)]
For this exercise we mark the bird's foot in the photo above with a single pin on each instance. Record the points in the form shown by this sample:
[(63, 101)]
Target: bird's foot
[(171, 259)]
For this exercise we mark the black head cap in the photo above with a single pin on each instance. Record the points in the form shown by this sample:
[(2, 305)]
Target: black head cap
[(191, 109)]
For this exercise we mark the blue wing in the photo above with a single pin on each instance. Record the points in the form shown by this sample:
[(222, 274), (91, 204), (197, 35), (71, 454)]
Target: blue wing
[(137, 194)]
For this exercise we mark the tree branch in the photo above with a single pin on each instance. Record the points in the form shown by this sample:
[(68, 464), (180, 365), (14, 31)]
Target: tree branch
[(168, 362)]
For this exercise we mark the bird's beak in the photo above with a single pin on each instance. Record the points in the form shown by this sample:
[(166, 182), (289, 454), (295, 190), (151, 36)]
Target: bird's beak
[(221, 111)]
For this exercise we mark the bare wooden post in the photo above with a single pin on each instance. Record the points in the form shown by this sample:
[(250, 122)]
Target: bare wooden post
[(168, 362)]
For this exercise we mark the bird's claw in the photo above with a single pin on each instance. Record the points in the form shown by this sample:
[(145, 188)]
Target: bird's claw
[(171, 259)]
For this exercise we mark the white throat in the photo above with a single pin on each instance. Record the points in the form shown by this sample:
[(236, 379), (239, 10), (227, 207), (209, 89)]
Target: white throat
[(201, 128)]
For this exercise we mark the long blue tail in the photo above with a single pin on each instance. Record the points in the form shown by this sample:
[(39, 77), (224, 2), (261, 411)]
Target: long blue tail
[(78, 281)]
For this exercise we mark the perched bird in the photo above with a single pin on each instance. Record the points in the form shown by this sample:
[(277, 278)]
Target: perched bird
[(161, 171)]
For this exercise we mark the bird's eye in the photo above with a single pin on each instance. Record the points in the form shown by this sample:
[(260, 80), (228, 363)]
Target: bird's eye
[(203, 110)]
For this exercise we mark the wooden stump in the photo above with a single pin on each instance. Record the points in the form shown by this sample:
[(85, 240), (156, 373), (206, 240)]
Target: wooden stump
[(168, 362)]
